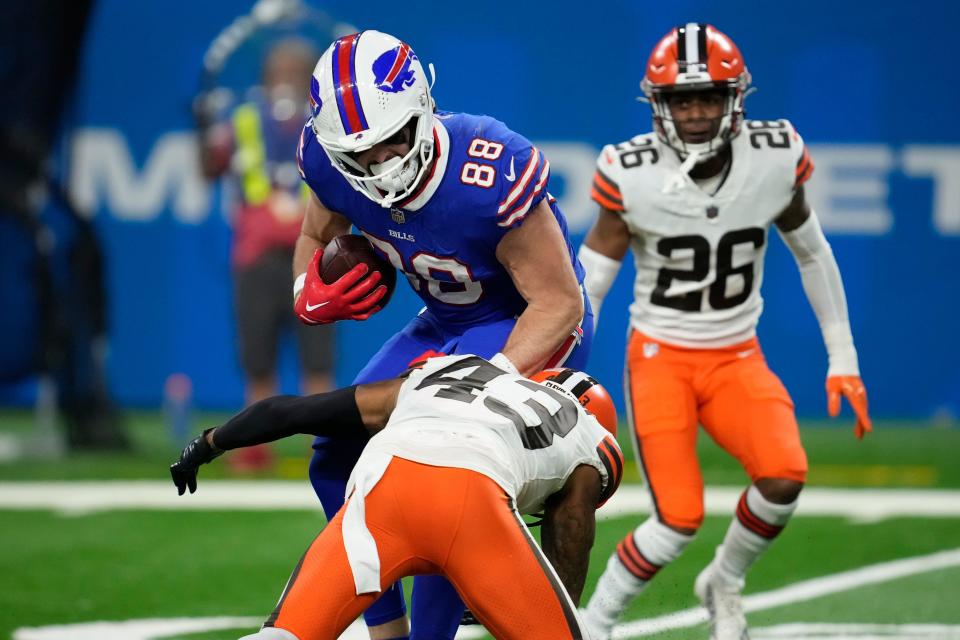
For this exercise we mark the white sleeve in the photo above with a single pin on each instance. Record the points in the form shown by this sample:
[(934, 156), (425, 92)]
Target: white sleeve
[(824, 288), (599, 273)]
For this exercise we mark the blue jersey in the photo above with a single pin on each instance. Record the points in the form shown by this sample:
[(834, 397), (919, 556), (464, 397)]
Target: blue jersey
[(484, 181)]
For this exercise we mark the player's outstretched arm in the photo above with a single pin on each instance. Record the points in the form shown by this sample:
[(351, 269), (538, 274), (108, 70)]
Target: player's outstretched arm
[(800, 230), (339, 412), (536, 257), (601, 256), (568, 529)]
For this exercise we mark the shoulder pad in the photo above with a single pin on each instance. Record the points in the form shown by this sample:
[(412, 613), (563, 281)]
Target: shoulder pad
[(780, 136), (638, 151), (614, 162), (605, 190)]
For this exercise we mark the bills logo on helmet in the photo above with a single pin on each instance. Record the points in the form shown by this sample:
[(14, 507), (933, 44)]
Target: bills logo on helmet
[(391, 70), (315, 102)]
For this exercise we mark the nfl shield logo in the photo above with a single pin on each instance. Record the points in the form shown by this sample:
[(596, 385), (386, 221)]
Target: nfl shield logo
[(397, 215), (650, 349), (712, 212)]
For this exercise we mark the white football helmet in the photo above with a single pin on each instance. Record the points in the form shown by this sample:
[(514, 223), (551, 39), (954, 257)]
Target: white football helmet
[(367, 87)]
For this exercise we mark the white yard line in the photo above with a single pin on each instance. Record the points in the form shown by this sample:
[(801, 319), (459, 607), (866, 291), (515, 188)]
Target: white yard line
[(155, 628), (149, 629), (799, 592), (858, 504), (144, 629), (869, 631), (81, 497)]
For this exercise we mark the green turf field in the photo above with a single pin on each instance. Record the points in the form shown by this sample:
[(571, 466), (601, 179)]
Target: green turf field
[(898, 455), (122, 566)]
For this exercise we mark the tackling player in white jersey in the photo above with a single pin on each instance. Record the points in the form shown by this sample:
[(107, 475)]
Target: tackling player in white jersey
[(462, 448), (694, 201)]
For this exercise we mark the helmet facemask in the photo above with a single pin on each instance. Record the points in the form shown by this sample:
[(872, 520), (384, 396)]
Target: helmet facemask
[(396, 178), (729, 122)]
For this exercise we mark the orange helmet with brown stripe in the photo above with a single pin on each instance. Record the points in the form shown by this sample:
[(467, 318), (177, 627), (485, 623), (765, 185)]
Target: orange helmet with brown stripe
[(596, 401), (590, 393), (696, 57)]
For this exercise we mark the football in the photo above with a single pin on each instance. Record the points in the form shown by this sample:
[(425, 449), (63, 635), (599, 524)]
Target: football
[(347, 251)]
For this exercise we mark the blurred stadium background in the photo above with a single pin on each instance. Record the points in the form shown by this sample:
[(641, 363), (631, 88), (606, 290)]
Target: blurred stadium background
[(119, 200)]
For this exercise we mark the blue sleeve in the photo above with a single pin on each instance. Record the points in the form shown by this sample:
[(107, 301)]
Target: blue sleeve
[(524, 174), (316, 170)]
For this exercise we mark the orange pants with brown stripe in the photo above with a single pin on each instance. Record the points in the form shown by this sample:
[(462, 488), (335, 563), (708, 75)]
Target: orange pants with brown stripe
[(434, 520), (739, 401)]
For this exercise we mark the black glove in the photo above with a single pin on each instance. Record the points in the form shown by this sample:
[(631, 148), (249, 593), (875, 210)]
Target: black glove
[(196, 453)]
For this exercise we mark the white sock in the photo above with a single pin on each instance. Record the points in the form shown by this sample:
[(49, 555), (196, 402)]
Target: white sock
[(638, 558), (758, 521)]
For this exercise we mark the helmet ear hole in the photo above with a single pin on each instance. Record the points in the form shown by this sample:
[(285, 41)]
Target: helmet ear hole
[(410, 129)]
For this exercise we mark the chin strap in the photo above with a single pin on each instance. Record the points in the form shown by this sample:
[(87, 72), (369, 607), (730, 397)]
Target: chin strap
[(675, 181)]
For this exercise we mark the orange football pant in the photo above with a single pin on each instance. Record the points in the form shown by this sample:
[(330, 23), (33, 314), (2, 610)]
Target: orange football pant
[(730, 391), (430, 520)]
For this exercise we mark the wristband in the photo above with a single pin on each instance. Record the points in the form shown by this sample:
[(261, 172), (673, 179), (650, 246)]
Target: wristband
[(503, 362), (208, 438), (841, 354), (298, 284)]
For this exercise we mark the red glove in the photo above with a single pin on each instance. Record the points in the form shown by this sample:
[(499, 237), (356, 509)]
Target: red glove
[(856, 394), (351, 297)]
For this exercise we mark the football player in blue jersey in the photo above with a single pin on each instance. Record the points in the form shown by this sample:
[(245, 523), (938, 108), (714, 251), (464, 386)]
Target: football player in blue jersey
[(459, 204)]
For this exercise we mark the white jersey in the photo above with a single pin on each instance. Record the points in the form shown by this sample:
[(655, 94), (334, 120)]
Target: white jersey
[(462, 411), (699, 257)]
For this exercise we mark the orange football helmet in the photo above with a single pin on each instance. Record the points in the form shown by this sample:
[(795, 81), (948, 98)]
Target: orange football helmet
[(586, 390), (696, 57)]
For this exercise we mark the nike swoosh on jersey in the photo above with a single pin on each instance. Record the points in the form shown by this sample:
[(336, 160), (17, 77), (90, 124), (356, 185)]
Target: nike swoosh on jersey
[(511, 176), (316, 306)]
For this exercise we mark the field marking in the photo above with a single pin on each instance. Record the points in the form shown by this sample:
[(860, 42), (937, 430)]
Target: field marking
[(798, 592), (152, 629), (145, 629), (149, 629), (861, 505), (156, 628), (822, 631), (83, 497)]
